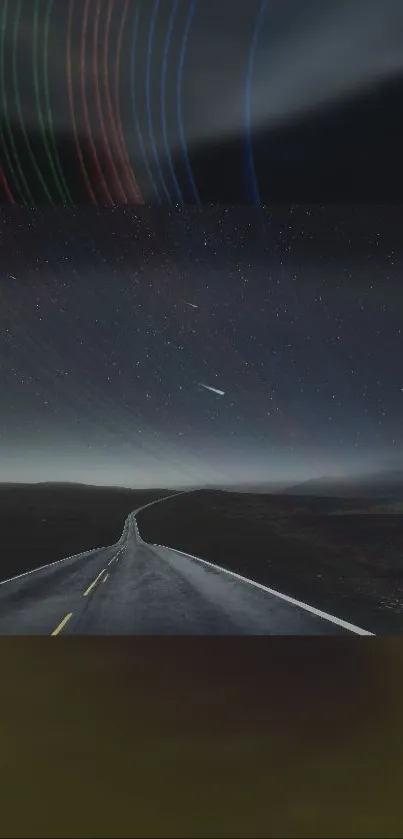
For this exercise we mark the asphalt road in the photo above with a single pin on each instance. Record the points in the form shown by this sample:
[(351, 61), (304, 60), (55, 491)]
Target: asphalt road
[(133, 588)]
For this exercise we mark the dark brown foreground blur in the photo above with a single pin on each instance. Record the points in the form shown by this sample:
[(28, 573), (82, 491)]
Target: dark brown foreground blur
[(201, 738)]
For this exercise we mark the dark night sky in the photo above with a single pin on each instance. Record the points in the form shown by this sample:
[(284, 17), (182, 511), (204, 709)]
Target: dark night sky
[(102, 358)]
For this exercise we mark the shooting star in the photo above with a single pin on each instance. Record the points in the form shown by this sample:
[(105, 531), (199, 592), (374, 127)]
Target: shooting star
[(213, 389), (193, 305)]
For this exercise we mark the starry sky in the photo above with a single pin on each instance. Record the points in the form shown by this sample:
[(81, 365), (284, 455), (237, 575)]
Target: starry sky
[(116, 322)]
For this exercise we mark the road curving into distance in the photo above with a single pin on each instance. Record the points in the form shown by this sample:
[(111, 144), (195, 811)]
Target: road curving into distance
[(136, 588)]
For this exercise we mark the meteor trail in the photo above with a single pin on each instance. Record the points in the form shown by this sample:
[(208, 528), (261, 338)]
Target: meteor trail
[(213, 389)]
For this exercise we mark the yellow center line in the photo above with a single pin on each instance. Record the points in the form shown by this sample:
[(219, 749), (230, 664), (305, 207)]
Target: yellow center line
[(62, 624), (90, 587), (105, 578)]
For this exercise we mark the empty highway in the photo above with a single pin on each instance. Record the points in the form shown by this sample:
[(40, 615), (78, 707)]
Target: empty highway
[(134, 588)]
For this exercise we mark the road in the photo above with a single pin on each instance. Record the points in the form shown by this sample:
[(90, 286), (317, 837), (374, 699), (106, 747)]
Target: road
[(134, 588)]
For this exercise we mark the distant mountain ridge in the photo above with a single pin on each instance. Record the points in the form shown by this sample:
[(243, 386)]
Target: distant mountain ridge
[(255, 487), (387, 483)]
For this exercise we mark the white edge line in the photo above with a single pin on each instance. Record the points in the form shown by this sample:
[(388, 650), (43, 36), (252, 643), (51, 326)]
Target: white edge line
[(344, 624), (49, 565), (57, 562), (93, 550)]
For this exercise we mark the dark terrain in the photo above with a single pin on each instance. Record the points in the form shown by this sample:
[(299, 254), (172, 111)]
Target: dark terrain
[(41, 523), (344, 556)]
